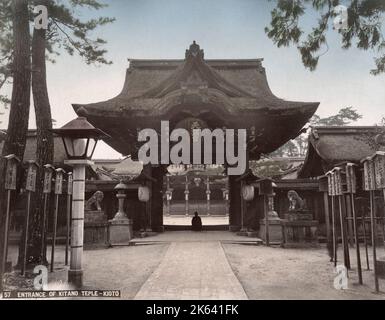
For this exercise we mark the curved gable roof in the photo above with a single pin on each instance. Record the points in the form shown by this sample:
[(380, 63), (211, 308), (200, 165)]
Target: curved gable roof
[(229, 93), (330, 145)]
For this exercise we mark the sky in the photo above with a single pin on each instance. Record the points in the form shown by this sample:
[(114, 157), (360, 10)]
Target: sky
[(225, 29)]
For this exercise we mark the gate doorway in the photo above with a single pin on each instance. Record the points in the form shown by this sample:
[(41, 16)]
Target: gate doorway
[(195, 188)]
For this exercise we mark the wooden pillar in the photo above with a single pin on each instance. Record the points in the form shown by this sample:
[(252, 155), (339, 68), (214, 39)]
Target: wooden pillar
[(349, 220), (343, 225), (156, 213), (148, 221), (327, 216), (235, 204), (243, 208)]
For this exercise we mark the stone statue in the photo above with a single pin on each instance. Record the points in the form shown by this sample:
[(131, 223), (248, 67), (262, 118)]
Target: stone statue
[(95, 201), (296, 202)]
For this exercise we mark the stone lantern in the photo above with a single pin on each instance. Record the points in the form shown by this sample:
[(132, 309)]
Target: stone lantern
[(120, 230), (121, 195)]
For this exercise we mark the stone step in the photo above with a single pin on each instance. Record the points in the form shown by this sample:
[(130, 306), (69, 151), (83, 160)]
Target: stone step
[(153, 242), (188, 227)]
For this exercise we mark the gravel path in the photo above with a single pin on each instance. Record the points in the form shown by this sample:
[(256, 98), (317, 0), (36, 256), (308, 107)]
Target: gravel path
[(277, 273)]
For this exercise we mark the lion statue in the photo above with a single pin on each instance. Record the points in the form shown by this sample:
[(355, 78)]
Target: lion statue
[(95, 201), (296, 202)]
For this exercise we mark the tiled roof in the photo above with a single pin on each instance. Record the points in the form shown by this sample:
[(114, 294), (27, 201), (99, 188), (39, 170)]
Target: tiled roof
[(331, 145)]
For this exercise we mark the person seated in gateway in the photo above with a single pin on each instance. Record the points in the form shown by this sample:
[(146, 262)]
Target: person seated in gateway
[(196, 222)]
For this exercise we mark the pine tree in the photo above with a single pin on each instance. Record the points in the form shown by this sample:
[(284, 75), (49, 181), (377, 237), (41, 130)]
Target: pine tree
[(20, 67), (364, 28)]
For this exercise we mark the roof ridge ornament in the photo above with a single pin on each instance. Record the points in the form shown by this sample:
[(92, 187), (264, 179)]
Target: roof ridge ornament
[(194, 51)]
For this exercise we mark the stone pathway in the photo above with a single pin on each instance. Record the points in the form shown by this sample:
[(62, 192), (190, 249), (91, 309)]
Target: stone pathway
[(191, 236), (193, 270)]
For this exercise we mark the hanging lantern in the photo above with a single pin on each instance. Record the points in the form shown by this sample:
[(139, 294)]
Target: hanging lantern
[(379, 169), (369, 174), (351, 179), (329, 175), (143, 194), (168, 195), (225, 194), (338, 181), (248, 192), (197, 181), (11, 171)]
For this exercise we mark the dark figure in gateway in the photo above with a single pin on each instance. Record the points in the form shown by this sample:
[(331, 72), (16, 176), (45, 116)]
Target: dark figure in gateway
[(196, 222)]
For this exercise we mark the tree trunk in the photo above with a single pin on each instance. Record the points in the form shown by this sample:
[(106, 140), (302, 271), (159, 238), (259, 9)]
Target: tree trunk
[(15, 140), (45, 143)]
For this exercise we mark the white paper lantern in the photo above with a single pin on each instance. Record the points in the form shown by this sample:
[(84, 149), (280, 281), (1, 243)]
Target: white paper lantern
[(144, 194), (248, 192)]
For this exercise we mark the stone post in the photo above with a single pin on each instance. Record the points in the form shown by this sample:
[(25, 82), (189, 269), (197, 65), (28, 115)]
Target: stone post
[(270, 226), (186, 195), (208, 193), (227, 203), (168, 205), (168, 196)]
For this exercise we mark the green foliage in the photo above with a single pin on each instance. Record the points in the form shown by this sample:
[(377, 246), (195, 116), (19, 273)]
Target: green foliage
[(342, 118), (67, 31), (5, 51), (365, 18)]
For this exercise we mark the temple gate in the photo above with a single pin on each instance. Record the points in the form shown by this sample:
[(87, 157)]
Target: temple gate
[(197, 93)]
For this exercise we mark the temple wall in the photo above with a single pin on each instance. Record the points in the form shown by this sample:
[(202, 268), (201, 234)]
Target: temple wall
[(178, 207)]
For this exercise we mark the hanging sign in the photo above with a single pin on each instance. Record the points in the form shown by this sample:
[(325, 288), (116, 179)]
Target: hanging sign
[(330, 183), (351, 179), (379, 168), (30, 184), (366, 175), (372, 180), (337, 181), (59, 181), (369, 174), (48, 172), (333, 178), (70, 183), (11, 171)]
